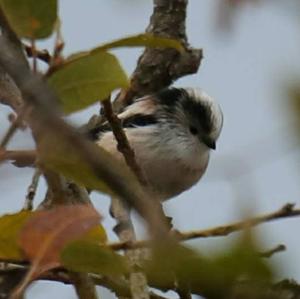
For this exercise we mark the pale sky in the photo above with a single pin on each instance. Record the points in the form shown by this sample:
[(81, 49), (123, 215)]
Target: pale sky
[(245, 71)]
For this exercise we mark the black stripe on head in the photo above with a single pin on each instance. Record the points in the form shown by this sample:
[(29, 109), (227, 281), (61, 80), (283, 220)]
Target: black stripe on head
[(200, 112), (170, 96), (96, 132), (139, 120)]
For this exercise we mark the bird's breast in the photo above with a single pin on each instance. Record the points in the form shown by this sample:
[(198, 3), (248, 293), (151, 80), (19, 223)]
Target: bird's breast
[(171, 166)]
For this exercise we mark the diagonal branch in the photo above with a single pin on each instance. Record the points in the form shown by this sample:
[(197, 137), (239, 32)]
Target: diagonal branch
[(124, 228), (37, 94), (122, 141), (287, 211)]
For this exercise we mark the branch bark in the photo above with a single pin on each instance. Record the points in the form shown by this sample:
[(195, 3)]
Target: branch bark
[(158, 68), (285, 289)]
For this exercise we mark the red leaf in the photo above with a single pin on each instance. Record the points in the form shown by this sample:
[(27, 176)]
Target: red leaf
[(47, 232)]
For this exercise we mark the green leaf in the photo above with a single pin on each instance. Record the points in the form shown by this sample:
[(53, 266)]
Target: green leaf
[(96, 235), (243, 259), (31, 18), (174, 264), (212, 277), (10, 227), (64, 158), (83, 256), (87, 78), (142, 40)]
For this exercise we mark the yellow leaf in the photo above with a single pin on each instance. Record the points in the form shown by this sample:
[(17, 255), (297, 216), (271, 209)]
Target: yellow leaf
[(142, 40), (10, 227), (97, 235)]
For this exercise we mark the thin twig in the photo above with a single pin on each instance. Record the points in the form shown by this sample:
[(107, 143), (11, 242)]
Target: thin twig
[(21, 158), (56, 58), (10, 132), (125, 231), (15, 124), (10, 94), (59, 43), (84, 285), (124, 227), (28, 205), (122, 141), (34, 56), (271, 252), (117, 286), (43, 55), (286, 211)]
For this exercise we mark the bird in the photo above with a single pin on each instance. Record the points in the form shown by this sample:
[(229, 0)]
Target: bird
[(172, 133)]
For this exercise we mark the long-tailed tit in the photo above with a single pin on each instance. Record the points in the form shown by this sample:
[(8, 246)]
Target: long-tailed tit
[(171, 133)]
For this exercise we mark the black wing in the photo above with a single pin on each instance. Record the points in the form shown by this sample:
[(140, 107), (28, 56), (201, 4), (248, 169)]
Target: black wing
[(138, 120)]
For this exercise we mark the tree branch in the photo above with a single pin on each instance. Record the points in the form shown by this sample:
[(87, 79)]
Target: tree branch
[(15, 124), (9, 93), (28, 205), (287, 211), (271, 252), (12, 275), (43, 55), (84, 285), (158, 68), (20, 158), (121, 213), (122, 141)]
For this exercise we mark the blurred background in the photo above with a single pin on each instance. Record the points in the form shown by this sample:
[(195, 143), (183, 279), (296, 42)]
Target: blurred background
[(251, 66)]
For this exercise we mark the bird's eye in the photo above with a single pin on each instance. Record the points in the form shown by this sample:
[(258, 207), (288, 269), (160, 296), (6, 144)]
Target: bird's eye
[(193, 130)]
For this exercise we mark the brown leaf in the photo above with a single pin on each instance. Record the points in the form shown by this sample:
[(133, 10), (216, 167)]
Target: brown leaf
[(47, 232)]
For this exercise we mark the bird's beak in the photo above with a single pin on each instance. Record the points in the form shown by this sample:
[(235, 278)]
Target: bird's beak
[(209, 142)]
